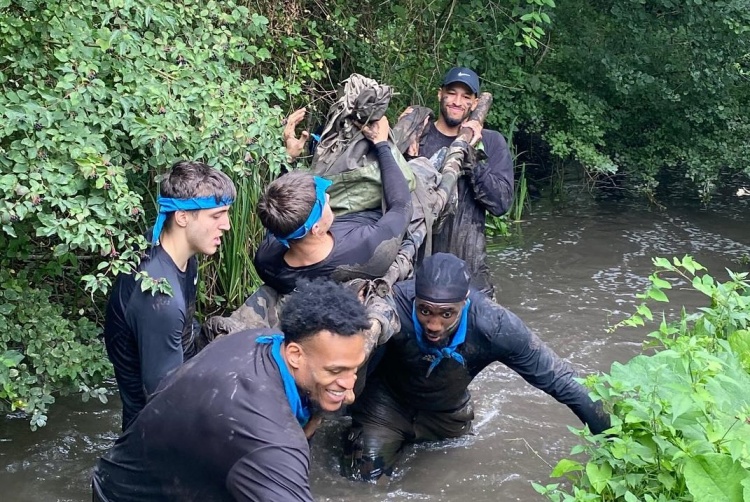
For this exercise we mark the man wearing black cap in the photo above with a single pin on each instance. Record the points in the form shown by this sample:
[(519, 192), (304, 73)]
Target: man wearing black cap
[(449, 333), (486, 184)]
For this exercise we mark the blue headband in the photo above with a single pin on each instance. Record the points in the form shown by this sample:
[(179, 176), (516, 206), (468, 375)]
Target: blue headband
[(167, 205), (321, 185)]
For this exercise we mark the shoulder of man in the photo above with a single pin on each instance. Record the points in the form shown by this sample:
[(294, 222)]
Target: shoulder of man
[(270, 250), (491, 137), (485, 315), (403, 292)]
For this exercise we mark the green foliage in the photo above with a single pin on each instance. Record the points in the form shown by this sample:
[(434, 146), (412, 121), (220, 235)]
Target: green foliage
[(411, 44), (641, 87), (680, 417), (42, 353), (637, 88), (100, 97)]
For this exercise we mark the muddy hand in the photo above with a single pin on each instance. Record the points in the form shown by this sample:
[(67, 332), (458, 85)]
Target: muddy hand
[(293, 144), (312, 425), (476, 129), (376, 131)]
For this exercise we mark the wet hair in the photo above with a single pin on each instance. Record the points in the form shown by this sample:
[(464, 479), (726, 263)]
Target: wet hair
[(188, 179), (287, 202), (322, 304)]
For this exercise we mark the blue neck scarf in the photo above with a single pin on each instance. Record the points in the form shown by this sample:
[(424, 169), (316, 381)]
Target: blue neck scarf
[(450, 351), (299, 408), (321, 185), (167, 205)]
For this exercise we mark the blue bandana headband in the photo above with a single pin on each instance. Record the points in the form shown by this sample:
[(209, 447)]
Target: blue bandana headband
[(300, 410), (450, 351), (321, 185), (168, 205)]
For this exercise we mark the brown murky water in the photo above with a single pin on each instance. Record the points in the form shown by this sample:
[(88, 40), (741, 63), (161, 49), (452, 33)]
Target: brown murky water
[(571, 272)]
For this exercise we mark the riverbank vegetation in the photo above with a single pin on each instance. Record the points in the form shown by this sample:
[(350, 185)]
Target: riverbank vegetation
[(100, 96), (681, 412)]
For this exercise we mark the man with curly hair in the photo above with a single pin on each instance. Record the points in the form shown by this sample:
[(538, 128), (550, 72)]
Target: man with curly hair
[(228, 425)]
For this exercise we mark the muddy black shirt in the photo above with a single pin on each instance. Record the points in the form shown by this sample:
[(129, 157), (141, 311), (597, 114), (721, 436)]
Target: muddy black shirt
[(365, 243), (488, 187), (144, 332), (494, 334), (218, 429)]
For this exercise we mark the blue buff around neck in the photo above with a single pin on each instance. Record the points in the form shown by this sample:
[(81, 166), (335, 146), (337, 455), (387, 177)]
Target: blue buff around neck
[(450, 351), (300, 410), (168, 205), (321, 185)]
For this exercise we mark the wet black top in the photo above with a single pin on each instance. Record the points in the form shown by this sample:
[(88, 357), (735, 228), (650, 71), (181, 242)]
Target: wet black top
[(143, 332), (218, 429), (489, 187), (365, 243), (494, 334)]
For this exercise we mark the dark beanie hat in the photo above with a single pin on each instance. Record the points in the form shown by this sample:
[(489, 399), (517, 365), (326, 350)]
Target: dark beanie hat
[(442, 278)]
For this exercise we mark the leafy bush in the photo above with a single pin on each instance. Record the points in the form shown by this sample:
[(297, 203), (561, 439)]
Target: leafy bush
[(680, 417), (645, 87), (42, 354), (99, 97)]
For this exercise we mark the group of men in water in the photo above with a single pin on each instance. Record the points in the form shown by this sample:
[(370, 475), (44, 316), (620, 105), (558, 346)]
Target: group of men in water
[(231, 419)]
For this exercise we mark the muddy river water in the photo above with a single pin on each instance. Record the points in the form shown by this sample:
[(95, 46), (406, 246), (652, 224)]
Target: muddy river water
[(571, 270)]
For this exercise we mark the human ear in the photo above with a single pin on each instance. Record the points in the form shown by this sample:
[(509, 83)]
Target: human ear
[(181, 218), (294, 354)]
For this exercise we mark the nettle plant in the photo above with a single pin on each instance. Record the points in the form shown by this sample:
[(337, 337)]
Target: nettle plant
[(680, 417)]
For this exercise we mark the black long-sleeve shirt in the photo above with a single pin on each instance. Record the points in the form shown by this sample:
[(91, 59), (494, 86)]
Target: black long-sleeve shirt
[(218, 429), (493, 334), (365, 243), (144, 332), (488, 187)]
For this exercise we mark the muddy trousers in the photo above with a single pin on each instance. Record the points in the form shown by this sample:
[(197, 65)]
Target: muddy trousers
[(382, 426)]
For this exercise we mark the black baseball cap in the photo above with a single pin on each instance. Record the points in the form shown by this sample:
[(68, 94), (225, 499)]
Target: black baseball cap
[(463, 75)]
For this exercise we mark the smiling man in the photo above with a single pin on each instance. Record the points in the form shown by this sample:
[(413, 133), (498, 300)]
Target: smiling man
[(486, 183), (148, 335), (449, 333), (228, 425)]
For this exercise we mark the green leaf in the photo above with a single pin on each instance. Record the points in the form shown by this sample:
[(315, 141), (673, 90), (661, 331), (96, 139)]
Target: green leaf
[(657, 295), (598, 475), (565, 466), (715, 477), (660, 283), (103, 44)]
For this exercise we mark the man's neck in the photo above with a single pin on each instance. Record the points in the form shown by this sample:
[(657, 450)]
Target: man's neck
[(444, 128), (309, 250), (177, 249)]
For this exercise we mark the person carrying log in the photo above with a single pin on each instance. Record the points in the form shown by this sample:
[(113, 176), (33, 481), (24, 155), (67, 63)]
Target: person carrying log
[(486, 181)]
